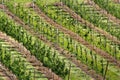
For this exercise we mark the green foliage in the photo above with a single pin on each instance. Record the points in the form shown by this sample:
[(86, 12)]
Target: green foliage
[(37, 47), (110, 6), (16, 63)]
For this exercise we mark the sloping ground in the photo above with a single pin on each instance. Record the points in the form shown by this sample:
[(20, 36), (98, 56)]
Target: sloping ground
[(47, 26), (38, 30), (26, 53), (103, 11), (110, 6), (89, 13), (88, 24), (102, 33), (78, 38), (34, 62), (42, 15), (26, 63), (72, 68), (97, 38), (62, 51)]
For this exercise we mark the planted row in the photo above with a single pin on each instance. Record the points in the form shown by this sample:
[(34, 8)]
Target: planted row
[(17, 64), (45, 54), (88, 12), (36, 47), (81, 52), (85, 32), (109, 5)]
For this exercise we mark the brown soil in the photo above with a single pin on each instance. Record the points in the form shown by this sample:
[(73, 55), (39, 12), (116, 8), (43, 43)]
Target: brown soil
[(7, 74), (88, 24)]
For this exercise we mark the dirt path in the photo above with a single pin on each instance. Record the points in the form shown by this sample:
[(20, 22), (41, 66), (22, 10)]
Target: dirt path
[(102, 11), (68, 55), (78, 38), (6, 74), (88, 24)]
